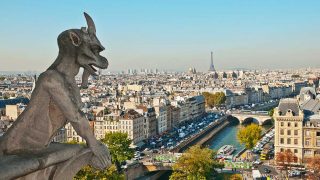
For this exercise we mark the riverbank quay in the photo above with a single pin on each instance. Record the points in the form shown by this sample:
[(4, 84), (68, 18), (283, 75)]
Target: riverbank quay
[(201, 137), (267, 106), (212, 133), (244, 153)]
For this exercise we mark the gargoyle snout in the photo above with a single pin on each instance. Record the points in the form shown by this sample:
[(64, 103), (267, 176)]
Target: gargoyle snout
[(102, 62)]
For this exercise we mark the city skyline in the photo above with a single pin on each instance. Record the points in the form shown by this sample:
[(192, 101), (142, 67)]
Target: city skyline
[(160, 89), (167, 35)]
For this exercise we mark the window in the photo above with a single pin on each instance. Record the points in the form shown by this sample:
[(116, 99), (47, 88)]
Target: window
[(318, 142), (281, 141), (288, 141), (307, 152), (281, 131), (289, 124), (296, 132), (289, 132), (295, 124), (318, 133), (307, 142), (307, 133), (295, 150), (281, 123), (281, 149), (295, 141)]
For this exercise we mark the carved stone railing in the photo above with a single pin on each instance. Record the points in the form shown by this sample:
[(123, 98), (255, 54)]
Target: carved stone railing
[(58, 161)]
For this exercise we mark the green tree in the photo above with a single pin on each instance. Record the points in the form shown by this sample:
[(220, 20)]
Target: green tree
[(73, 142), (119, 146), (207, 97), (219, 98), (270, 112), (295, 76), (249, 135), (88, 172), (236, 177), (106, 111), (216, 99), (6, 96), (196, 163)]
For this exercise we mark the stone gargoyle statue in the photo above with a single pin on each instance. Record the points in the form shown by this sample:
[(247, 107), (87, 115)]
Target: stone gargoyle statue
[(54, 102)]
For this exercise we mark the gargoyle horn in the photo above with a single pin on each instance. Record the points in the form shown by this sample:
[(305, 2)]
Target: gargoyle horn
[(92, 31), (90, 23)]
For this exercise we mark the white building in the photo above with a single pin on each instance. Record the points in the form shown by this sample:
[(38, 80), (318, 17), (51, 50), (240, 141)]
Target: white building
[(132, 124)]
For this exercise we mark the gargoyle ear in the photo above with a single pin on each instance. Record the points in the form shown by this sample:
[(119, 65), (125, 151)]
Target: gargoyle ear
[(75, 39)]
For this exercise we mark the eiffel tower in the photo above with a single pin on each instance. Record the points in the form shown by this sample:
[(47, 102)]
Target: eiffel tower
[(212, 69)]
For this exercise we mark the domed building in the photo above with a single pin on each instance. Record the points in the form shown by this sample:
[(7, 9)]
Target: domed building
[(192, 70)]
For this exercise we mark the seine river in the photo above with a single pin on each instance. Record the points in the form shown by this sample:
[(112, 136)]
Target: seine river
[(229, 136), (226, 136)]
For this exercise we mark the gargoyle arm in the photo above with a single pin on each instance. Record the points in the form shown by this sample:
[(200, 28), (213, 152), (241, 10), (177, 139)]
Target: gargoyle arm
[(62, 97)]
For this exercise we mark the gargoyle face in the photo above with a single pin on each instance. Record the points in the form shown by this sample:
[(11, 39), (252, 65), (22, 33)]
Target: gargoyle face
[(88, 47)]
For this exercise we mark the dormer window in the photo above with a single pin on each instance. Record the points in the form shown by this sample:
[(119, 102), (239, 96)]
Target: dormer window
[(308, 124), (289, 111)]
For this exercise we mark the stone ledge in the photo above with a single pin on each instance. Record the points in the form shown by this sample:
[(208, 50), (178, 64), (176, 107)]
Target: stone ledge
[(58, 160)]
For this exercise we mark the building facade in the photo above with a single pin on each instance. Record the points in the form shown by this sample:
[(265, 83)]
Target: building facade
[(297, 128), (150, 120), (289, 128), (131, 122)]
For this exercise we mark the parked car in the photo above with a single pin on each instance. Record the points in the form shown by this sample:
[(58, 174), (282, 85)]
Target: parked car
[(257, 162), (266, 170)]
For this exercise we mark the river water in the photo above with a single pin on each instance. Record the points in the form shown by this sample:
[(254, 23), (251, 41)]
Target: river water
[(228, 135)]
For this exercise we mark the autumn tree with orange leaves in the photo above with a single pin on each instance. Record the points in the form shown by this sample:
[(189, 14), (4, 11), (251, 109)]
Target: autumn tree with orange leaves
[(285, 159), (313, 165)]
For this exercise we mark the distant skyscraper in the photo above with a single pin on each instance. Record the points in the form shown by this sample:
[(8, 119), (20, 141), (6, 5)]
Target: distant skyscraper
[(211, 69)]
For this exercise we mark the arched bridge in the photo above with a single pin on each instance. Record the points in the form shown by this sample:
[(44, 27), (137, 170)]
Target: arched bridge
[(157, 166), (244, 117), (140, 169)]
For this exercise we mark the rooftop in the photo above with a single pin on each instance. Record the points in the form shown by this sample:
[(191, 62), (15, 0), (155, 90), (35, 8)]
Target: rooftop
[(288, 105)]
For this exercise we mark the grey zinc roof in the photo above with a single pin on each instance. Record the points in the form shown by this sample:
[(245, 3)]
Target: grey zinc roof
[(306, 90), (288, 104), (311, 106), (313, 119)]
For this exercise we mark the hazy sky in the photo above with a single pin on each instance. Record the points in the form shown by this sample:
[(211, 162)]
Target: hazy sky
[(167, 34)]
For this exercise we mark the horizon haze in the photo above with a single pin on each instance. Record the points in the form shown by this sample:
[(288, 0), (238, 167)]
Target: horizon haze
[(167, 35)]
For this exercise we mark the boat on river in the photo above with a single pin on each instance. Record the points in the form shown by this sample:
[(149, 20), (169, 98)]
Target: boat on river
[(226, 150)]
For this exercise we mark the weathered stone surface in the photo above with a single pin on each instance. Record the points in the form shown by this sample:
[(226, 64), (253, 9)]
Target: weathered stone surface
[(25, 149)]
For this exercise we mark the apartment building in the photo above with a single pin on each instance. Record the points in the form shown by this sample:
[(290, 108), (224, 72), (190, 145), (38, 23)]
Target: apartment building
[(297, 126), (131, 122), (150, 120)]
